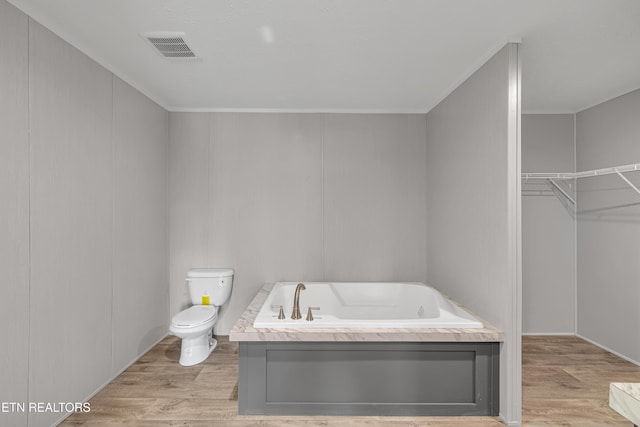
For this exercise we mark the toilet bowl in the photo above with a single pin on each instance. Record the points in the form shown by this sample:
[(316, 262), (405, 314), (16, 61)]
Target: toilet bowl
[(195, 326), (209, 288)]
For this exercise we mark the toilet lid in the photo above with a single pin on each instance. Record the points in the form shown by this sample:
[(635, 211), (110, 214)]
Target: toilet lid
[(194, 316)]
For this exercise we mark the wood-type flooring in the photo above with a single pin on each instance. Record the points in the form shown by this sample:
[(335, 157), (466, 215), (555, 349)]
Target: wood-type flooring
[(565, 383)]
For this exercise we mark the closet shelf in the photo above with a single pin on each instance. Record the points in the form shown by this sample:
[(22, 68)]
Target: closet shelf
[(585, 174), (551, 178)]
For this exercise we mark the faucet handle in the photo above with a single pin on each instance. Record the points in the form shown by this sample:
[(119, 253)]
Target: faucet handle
[(281, 315), (310, 314)]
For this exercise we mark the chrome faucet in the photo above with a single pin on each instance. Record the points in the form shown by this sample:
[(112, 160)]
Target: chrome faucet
[(295, 315)]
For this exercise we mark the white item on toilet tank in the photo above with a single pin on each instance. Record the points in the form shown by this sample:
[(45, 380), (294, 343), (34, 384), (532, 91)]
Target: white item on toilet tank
[(209, 288), (215, 283)]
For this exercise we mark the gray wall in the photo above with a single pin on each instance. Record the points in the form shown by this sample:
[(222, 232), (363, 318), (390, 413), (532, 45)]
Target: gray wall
[(85, 212), (141, 220), (609, 227), (548, 228), (71, 223), (296, 197), (473, 167), (14, 211)]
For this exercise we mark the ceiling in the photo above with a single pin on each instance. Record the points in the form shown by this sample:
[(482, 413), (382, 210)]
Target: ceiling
[(354, 55)]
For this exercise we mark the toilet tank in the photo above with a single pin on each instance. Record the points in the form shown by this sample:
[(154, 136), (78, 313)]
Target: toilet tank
[(210, 286)]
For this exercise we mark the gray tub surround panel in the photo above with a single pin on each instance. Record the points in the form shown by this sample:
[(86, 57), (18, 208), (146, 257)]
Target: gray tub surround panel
[(243, 330), (14, 210), (365, 371), (355, 378)]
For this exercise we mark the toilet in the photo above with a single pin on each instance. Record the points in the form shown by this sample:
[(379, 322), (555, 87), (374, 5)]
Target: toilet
[(209, 288)]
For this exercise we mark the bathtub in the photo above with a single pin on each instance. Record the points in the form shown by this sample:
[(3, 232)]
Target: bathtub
[(374, 349), (364, 305)]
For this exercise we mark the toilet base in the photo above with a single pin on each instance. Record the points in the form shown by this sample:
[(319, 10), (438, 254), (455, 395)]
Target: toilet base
[(197, 349)]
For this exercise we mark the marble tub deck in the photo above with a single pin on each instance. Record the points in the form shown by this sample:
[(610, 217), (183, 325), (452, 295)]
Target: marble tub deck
[(243, 330)]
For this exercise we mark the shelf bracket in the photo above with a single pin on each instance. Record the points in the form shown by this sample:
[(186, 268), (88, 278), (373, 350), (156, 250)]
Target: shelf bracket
[(560, 189), (625, 179)]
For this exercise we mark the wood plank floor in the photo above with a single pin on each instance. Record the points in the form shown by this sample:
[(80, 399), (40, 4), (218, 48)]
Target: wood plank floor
[(565, 383)]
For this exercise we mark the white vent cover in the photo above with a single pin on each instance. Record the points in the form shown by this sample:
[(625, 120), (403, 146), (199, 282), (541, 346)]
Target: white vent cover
[(171, 45)]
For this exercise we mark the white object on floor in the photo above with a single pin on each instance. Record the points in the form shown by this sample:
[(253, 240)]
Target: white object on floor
[(624, 398)]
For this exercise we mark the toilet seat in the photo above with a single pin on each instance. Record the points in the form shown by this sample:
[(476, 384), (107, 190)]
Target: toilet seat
[(194, 316)]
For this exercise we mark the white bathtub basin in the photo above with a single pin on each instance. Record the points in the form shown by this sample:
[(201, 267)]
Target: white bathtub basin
[(364, 305)]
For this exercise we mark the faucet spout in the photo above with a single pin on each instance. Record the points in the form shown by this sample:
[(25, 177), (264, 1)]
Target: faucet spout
[(295, 315)]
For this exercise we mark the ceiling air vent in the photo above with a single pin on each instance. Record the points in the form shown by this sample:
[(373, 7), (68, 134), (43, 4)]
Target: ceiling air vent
[(170, 45)]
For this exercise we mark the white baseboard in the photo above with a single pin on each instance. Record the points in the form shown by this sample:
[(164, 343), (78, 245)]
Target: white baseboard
[(509, 423), (558, 334), (620, 355)]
